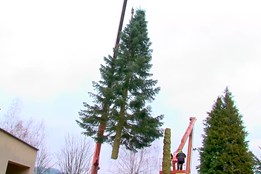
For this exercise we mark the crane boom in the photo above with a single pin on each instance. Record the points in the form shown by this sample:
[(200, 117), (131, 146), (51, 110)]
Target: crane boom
[(187, 134), (120, 27), (96, 157)]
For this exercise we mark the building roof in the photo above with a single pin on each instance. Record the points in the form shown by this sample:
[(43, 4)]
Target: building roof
[(8, 133)]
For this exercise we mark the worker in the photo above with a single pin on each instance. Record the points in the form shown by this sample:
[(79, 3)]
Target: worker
[(181, 159)]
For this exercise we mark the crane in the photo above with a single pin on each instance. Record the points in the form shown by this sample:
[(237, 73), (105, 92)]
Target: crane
[(96, 157), (188, 135)]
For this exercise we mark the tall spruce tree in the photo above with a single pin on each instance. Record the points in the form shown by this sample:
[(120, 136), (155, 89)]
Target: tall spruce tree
[(120, 113), (136, 128), (225, 150)]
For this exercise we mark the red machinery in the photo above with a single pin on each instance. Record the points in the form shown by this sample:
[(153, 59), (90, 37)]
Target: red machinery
[(188, 135)]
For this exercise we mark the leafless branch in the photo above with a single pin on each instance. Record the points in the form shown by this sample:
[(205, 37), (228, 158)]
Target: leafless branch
[(142, 162), (75, 156), (29, 131)]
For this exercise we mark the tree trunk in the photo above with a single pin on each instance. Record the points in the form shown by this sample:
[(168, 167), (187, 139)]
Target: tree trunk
[(117, 140), (166, 164), (120, 125)]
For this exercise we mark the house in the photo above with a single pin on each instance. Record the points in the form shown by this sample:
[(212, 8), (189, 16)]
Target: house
[(16, 156)]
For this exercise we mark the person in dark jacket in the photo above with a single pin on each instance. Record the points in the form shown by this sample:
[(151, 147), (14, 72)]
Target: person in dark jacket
[(181, 159)]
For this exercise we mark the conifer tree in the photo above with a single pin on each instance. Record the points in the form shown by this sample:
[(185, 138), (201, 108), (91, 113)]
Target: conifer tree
[(225, 150), (135, 126), (120, 113)]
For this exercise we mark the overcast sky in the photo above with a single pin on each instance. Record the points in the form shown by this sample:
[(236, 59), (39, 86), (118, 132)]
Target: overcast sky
[(51, 51)]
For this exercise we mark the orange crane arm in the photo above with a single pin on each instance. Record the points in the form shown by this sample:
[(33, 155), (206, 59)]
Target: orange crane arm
[(185, 136), (188, 134)]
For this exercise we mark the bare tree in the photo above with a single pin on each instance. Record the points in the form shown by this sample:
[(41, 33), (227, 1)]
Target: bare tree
[(43, 160), (257, 163), (144, 161), (75, 156), (30, 131)]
